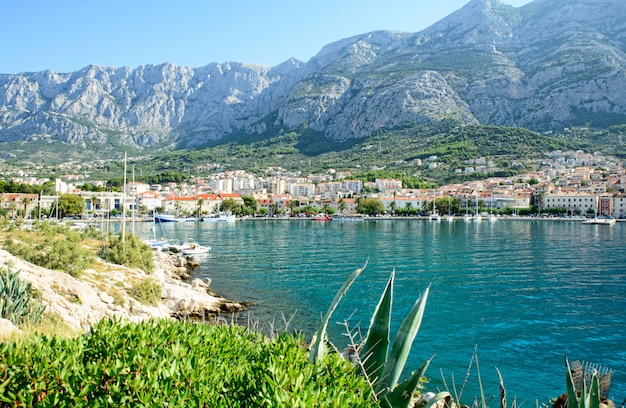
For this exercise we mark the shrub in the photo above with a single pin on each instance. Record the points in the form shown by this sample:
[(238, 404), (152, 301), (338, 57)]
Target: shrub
[(169, 363), (52, 247), (131, 252), (146, 291), (16, 301)]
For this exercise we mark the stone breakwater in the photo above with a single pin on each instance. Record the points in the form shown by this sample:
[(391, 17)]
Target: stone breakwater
[(103, 292)]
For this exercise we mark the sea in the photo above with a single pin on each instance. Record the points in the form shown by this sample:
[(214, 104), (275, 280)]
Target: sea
[(516, 295)]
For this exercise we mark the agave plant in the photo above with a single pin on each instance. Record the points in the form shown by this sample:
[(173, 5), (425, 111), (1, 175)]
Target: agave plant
[(589, 398), (16, 303), (382, 367)]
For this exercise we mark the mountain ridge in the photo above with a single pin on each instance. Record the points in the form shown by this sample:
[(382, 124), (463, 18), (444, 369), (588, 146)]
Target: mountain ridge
[(543, 66)]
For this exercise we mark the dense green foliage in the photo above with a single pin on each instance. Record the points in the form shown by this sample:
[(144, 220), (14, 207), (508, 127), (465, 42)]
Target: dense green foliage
[(52, 246), (131, 252), (71, 205), (13, 187), (370, 206), (394, 150), (16, 301), (408, 181), (168, 363)]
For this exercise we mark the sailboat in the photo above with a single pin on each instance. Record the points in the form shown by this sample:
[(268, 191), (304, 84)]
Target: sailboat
[(492, 216), (155, 243), (434, 216), (449, 217)]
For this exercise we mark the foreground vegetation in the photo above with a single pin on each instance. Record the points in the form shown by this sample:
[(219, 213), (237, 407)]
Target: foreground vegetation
[(167, 363), (170, 363), (59, 247)]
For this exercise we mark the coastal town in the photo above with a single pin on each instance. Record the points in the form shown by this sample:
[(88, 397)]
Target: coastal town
[(568, 183)]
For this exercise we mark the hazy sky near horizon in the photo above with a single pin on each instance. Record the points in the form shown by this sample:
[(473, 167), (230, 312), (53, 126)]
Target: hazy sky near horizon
[(67, 35)]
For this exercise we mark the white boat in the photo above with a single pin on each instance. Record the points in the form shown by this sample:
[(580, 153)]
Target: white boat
[(195, 249), (220, 218), (600, 221), (180, 247), (492, 217), (156, 244), (172, 218), (449, 216), (434, 217), (348, 217), (477, 217)]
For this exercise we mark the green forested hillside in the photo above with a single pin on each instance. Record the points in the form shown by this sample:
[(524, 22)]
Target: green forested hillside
[(395, 149)]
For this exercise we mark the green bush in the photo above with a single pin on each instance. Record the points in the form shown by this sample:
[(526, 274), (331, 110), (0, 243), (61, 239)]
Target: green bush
[(131, 252), (146, 291), (169, 363), (53, 247), (16, 301)]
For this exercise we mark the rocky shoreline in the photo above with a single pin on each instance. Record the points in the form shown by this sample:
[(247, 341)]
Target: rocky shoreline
[(103, 292)]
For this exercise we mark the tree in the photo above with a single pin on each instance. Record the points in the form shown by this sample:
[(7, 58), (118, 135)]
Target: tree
[(229, 205), (199, 207), (71, 205), (342, 205), (370, 206), (250, 202)]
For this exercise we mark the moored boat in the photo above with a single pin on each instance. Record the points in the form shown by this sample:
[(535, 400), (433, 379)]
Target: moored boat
[(600, 221), (348, 217), (220, 218), (195, 249), (172, 218)]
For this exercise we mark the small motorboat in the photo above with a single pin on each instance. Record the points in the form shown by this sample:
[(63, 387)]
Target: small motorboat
[(195, 249)]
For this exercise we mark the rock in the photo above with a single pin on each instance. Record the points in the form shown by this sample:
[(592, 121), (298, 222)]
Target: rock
[(197, 284), (192, 264), (106, 298), (8, 329), (229, 307), (81, 304)]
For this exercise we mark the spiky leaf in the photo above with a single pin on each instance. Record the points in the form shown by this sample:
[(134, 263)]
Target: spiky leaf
[(319, 347), (403, 342), (374, 351), (400, 396), (572, 399)]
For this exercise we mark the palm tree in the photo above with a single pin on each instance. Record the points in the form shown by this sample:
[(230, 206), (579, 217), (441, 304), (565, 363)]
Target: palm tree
[(26, 201), (199, 207)]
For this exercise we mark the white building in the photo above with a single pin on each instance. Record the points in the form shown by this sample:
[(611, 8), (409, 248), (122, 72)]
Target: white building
[(303, 190), (574, 203)]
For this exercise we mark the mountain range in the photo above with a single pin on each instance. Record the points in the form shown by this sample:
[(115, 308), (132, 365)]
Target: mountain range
[(546, 66)]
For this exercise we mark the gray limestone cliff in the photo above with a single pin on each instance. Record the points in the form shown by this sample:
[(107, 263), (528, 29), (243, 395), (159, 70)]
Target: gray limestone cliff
[(543, 66)]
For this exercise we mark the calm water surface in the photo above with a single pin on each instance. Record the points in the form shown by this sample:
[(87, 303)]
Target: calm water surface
[(523, 293)]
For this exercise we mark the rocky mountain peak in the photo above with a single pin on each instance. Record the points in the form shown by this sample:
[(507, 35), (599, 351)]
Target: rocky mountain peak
[(543, 66)]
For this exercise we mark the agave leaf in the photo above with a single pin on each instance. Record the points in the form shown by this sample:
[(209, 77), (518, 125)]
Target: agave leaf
[(374, 351), (583, 400), (400, 396), (319, 347), (403, 341), (572, 399), (594, 393)]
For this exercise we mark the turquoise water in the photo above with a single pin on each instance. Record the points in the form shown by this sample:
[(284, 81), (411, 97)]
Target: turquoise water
[(523, 293)]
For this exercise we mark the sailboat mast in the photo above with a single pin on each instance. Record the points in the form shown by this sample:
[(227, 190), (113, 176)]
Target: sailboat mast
[(124, 203)]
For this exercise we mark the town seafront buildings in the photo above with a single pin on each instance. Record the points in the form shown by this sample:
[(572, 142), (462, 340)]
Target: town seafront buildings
[(578, 183)]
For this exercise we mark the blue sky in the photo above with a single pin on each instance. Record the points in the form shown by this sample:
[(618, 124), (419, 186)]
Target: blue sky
[(66, 35)]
